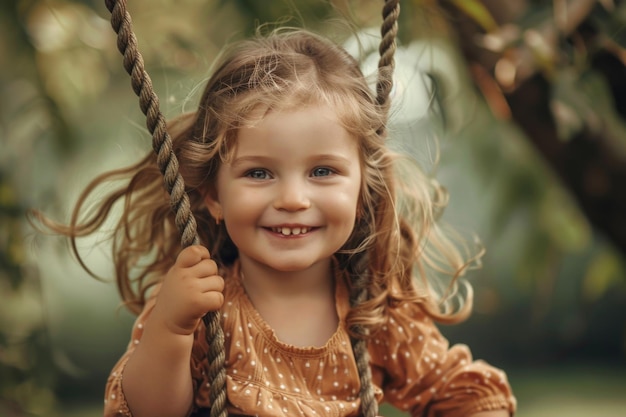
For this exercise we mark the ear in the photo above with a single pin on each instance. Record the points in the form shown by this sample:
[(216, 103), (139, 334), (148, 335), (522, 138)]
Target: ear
[(213, 205)]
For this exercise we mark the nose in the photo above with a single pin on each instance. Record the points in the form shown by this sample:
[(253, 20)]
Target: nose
[(292, 195)]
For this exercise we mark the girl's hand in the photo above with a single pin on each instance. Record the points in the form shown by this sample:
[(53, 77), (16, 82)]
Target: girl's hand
[(190, 289)]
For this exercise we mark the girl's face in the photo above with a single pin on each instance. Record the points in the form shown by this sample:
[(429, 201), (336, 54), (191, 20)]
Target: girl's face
[(289, 194)]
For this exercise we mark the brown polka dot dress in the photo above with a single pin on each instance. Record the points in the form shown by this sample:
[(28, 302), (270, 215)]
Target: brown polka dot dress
[(413, 367)]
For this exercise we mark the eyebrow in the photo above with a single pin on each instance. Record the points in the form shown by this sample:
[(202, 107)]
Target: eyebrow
[(266, 159), (332, 158), (234, 162)]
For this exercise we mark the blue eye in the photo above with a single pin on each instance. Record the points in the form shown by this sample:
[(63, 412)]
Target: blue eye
[(322, 172), (257, 174)]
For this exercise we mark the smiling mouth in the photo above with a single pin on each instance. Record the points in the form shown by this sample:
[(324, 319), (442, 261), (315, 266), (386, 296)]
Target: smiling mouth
[(291, 231)]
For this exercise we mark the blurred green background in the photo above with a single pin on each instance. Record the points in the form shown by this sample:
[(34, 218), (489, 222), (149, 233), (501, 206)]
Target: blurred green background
[(517, 106)]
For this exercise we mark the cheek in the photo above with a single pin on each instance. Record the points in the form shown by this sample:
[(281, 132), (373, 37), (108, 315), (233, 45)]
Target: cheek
[(344, 206), (240, 200), (241, 205)]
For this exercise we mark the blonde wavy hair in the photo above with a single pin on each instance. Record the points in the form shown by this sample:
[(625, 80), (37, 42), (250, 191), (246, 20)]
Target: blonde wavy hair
[(397, 243)]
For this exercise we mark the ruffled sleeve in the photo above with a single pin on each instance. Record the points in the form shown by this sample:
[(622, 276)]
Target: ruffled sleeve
[(115, 404), (422, 375)]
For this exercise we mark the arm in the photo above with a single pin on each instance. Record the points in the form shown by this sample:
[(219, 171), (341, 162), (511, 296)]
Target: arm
[(422, 374), (157, 377)]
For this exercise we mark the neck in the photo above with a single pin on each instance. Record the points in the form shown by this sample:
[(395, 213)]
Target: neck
[(267, 283), (299, 306)]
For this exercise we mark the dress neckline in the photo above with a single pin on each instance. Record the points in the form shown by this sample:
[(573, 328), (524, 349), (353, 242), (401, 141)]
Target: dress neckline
[(342, 306)]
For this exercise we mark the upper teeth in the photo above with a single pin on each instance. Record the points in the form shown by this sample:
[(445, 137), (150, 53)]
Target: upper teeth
[(286, 231)]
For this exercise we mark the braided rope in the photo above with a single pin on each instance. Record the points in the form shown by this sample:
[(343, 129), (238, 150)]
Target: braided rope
[(387, 49), (360, 280), (179, 201)]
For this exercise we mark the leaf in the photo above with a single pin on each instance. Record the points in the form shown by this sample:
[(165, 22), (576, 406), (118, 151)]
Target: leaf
[(605, 270), (476, 11), (563, 222)]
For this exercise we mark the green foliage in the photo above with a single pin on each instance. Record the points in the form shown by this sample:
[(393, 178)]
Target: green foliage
[(478, 13), (605, 271)]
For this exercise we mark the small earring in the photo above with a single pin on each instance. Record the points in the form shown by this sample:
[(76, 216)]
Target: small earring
[(218, 220)]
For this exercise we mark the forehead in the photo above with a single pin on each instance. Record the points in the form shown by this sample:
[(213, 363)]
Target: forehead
[(315, 125), (317, 115)]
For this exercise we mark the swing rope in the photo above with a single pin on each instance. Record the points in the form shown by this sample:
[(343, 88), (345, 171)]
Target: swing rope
[(179, 201), (360, 280), (387, 50)]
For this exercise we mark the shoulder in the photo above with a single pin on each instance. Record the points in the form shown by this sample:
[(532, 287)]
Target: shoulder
[(407, 332), (408, 322)]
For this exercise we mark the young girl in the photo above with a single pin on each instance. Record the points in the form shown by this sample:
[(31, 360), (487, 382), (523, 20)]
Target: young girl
[(299, 203)]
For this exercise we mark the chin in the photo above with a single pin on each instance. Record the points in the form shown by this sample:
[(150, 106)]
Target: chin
[(290, 266), (296, 265)]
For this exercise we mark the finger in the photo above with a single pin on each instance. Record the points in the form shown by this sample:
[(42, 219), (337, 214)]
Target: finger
[(204, 268), (213, 283), (214, 301), (192, 255)]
